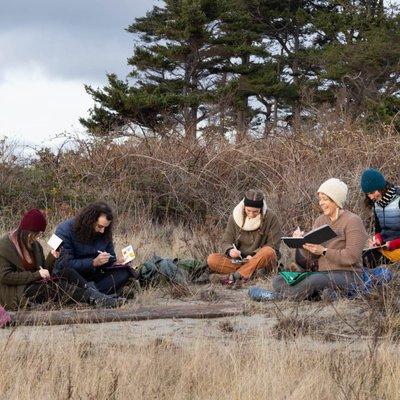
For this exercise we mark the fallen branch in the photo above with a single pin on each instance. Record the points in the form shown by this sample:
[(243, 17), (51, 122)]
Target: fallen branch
[(93, 316)]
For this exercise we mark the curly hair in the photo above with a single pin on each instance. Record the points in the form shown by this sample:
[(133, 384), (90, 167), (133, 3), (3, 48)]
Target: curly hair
[(86, 219)]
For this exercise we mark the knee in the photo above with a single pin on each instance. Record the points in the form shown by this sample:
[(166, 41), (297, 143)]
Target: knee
[(213, 259), (121, 276), (267, 253)]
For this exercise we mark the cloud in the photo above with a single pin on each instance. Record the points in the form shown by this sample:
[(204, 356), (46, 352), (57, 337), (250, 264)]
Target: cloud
[(49, 49), (75, 39), (35, 108)]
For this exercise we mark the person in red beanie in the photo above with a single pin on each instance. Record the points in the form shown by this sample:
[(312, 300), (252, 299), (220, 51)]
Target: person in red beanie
[(25, 273), (33, 221)]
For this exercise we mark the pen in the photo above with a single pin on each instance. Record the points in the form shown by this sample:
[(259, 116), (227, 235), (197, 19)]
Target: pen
[(240, 253)]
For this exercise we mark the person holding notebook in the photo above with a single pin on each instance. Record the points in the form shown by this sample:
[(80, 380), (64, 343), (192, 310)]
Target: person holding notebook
[(88, 250), (250, 242), (26, 275), (384, 199), (337, 263)]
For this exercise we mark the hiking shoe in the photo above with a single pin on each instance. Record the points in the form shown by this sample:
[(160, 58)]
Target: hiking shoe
[(260, 294), (227, 280)]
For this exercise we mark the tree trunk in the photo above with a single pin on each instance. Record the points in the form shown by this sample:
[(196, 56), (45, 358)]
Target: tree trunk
[(92, 316), (296, 109)]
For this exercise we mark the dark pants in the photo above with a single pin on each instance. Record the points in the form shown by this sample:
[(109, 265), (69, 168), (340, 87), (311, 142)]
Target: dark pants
[(57, 290), (107, 281), (313, 285)]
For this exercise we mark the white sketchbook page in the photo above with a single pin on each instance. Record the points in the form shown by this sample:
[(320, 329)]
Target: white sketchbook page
[(128, 254), (54, 242)]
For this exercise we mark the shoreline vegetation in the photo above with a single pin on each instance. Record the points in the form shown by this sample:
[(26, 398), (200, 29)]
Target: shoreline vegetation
[(171, 198)]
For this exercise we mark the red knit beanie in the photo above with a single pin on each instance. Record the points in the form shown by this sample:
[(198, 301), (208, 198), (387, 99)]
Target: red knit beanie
[(33, 221)]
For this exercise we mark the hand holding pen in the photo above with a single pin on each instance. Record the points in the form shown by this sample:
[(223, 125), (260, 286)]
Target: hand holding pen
[(234, 252), (101, 259)]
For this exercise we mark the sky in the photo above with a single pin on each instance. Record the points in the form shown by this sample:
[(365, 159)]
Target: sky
[(48, 50)]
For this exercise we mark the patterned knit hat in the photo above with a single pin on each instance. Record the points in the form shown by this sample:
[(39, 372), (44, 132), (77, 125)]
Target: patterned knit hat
[(336, 190), (33, 221), (372, 180)]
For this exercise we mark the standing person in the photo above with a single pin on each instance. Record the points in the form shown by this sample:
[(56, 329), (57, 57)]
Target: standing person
[(25, 274), (384, 199), (337, 262), (250, 242), (88, 249)]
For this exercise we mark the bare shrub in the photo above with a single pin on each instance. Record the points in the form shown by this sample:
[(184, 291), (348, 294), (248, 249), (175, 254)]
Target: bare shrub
[(197, 183)]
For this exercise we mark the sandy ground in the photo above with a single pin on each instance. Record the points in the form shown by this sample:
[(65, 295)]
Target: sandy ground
[(258, 319)]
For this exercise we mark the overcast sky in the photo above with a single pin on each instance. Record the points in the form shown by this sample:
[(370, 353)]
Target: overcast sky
[(48, 50)]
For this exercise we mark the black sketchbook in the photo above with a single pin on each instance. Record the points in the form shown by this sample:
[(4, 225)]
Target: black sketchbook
[(316, 236)]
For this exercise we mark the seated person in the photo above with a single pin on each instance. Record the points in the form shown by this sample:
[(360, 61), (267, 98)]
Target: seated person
[(88, 249), (253, 234), (25, 274), (337, 262), (384, 198)]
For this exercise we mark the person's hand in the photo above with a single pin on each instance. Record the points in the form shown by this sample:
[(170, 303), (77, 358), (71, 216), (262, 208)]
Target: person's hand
[(56, 254), (298, 233), (44, 273), (120, 260), (249, 257), (101, 259), (377, 240), (233, 253), (315, 249)]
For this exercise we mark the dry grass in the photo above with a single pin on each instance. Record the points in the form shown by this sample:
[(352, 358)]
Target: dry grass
[(344, 350), (72, 367)]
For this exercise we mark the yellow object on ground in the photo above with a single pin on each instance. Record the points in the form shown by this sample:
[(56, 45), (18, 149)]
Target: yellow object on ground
[(392, 255)]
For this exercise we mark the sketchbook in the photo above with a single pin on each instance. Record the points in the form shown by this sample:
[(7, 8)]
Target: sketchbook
[(55, 242), (317, 236), (239, 260), (381, 247)]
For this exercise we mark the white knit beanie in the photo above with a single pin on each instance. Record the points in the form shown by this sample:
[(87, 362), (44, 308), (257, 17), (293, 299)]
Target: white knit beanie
[(336, 190)]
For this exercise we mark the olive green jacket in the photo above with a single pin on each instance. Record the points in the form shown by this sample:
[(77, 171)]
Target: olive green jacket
[(14, 277), (249, 242)]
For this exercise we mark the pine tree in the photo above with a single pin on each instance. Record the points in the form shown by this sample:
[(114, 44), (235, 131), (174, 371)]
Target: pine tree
[(361, 52), (171, 74)]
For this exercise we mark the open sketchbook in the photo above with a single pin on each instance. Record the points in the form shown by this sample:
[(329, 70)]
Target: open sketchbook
[(381, 247), (316, 236)]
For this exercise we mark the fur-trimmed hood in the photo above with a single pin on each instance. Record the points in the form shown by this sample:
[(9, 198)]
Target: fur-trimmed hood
[(250, 224)]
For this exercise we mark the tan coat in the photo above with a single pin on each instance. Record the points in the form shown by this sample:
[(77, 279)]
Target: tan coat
[(13, 277), (249, 242), (344, 252)]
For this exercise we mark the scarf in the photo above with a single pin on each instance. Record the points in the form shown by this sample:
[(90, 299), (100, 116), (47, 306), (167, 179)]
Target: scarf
[(387, 197), (26, 258), (250, 224)]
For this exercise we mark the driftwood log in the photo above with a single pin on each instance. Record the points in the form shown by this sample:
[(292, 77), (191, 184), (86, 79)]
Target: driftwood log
[(139, 313)]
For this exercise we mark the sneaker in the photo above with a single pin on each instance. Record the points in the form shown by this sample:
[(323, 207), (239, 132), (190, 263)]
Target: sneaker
[(260, 294), (227, 280)]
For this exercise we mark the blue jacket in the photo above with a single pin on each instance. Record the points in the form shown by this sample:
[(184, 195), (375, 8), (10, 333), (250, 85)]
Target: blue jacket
[(79, 255), (387, 219)]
